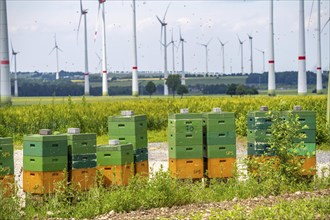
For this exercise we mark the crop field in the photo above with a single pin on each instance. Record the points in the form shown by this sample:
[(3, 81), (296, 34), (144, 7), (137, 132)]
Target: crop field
[(28, 115)]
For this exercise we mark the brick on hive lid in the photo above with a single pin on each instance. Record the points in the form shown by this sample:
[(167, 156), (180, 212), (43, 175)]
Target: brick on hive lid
[(73, 130), (45, 131), (184, 110), (127, 113), (264, 108), (216, 110), (114, 142), (297, 108)]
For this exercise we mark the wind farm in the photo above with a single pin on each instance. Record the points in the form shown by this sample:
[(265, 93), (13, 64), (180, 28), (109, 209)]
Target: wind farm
[(193, 62)]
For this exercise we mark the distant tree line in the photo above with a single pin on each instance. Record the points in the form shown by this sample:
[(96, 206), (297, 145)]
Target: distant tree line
[(287, 78)]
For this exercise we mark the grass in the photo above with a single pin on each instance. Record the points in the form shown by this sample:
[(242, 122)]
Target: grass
[(159, 191), (314, 208)]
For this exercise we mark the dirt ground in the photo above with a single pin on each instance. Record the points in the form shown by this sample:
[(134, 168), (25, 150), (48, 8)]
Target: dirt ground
[(186, 210)]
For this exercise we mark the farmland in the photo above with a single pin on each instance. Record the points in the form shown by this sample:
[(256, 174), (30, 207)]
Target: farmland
[(28, 115)]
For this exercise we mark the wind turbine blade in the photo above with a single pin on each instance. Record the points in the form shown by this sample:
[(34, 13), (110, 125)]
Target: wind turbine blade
[(79, 25), (160, 21), (81, 7), (180, 33), (209, 42), (166, 11), (12, 48), (60, 49), (201, 44), (325, 24), (52, 50), (97, 22), (239, 39), (310, 16), (226, 43)]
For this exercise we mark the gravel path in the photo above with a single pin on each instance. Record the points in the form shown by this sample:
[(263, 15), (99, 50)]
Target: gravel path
[(158, 159)]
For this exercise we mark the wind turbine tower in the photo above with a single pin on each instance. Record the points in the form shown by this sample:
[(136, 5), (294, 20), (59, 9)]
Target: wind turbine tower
[(223, 55), (57, 49), (83, 12), (206, 57), (241, 49), (14, 53), (271, 56), (104, 46), (173, 55), (5, 88), (263, 59), (318, 55), (251, 54), (182, 41), (135, 83), (165, 45), (302, 81)]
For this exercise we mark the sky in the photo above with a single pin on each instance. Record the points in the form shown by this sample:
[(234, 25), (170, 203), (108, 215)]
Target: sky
[(33, 24)]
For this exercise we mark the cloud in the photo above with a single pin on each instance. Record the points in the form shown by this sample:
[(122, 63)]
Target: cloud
[(144, 23)]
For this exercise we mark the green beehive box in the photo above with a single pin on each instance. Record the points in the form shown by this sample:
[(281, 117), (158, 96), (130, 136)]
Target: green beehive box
[(6, 151), (127, 128), (306, 118), (82, 164), (259, 123), (185, 152), (108, 155), (216, 125), (80, 137), (221, 138), (261, 114), (258, 145), (131, 118), (185, 139), (45, 164), (185, 125), (42, 138), (259, 148), (310, 136), (220, 151), (140, 155), (6, 166), (139, 141), (82, 157), (6, 140), (82, 147), (185, 116), (304, 149), (45, 148), (258, 135)]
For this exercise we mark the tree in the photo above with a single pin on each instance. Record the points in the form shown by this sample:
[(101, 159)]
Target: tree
[(150, 88), (231, 90), (182, 89), (173, 82), (240, 90)]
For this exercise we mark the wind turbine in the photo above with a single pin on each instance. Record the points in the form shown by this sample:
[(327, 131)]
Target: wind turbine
[(83, 12), (251, 54), (271, 56), (57, 49), (135, 83), (104, 52), (14, 53), (173, 58), (263, 59), (302, 81), (206, 56), (319, 63), (5, 87), (241, 49), (328, 97), (100, 62), (182, 41), (222, 54), (165, 45)]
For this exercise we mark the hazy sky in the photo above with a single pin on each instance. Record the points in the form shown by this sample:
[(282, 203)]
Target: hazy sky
[(32, 25)]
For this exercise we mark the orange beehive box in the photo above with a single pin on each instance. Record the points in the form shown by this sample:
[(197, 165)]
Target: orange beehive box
[(7, 185), (142, 168), (186, 168), (82, 179), (309, 165), (220, 167), (43, 182), (116, 175)]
